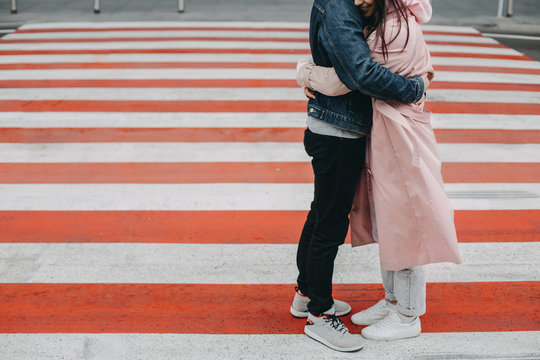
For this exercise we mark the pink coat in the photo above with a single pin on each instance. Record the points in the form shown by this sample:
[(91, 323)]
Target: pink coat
[(400, 200)]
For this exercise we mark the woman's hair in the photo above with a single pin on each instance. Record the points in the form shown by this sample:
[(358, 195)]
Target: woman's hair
[(377, 22)]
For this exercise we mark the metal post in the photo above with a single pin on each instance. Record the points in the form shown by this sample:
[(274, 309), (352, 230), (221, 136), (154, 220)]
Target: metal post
[(180, 6), (510, 11), (500, 10), (96, 7), (13, 6)]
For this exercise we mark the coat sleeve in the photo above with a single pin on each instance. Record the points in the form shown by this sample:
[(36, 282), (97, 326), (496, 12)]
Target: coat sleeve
[(321, 79)]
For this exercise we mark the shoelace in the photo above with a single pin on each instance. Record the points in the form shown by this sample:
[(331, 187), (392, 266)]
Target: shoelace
[(336, 323)]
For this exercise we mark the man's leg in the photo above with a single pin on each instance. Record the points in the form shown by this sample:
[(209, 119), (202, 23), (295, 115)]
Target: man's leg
[(337, 164), (303, 248)]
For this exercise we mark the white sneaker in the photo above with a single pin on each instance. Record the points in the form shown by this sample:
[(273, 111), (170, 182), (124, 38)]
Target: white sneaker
[(330, 331), (392, 328), (373, 314), (299, 306)]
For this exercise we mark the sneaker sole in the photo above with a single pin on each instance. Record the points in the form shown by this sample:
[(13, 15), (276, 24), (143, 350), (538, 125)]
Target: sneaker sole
[(374, 338), (364, 323), (304, 314), (331, 346)]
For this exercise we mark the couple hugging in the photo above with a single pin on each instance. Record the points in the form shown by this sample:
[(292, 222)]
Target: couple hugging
[(375, 159)]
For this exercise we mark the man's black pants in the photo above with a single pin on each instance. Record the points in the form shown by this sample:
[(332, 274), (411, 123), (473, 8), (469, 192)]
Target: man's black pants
[(337, 164)]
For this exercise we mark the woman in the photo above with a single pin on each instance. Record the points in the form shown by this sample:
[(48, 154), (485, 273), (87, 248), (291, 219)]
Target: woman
[(400, 200)]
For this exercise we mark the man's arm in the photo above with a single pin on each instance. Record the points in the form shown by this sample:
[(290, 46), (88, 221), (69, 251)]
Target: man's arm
[(342, 36)]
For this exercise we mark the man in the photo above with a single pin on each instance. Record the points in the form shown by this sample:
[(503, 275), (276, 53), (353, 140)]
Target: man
[(335, 139)]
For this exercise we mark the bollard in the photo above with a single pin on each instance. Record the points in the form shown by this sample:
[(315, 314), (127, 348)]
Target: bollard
[(13, 6), (97, 9), (180, 6), (500, 9), (510, 12)]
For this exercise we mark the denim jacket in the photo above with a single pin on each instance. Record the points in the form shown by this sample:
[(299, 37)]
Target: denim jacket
[(337, 40)]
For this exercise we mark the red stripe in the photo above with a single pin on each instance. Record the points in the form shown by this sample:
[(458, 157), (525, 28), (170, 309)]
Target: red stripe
[(247, 309), (233, 51), (242, 106), (488, 136), (227, 227), (209, 38), (61, 135), (242, 172), (233, 83), (232, 172), (229, 65)]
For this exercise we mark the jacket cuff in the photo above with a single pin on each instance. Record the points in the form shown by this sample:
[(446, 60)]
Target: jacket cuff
[(419, 89)]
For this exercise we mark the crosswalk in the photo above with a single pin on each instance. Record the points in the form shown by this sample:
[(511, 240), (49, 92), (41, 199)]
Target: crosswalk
[(154, 184)]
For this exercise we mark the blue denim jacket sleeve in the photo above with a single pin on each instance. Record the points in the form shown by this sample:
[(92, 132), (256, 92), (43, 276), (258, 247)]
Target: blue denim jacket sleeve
[(342, 36)]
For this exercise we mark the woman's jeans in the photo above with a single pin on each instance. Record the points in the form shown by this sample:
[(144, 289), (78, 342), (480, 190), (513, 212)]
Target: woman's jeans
[(337, 163), (408, 288)]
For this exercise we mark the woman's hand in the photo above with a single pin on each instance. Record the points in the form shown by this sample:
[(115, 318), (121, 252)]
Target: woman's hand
[(309, 93)]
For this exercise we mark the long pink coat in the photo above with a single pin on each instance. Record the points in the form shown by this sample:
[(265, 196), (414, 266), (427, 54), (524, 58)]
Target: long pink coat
[(400, 201)]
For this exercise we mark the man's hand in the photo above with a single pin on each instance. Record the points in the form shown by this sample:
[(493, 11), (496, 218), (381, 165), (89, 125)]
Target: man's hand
[(309, 93)]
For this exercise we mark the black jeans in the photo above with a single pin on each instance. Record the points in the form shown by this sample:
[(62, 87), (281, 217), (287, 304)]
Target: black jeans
[(337, 164)]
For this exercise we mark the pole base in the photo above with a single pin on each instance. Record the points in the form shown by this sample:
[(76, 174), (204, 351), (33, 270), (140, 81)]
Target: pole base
[(13, 12), (97, 11), (181, 11)]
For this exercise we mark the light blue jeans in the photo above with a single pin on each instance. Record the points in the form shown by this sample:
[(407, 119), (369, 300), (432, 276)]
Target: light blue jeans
[(408, 288)]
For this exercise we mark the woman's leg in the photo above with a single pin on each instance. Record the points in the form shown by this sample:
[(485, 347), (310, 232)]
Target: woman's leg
[(410, 291), (388, 284)]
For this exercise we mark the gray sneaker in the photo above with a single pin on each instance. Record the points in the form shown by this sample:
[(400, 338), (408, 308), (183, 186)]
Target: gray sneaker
[(330, 331), (299, 306)]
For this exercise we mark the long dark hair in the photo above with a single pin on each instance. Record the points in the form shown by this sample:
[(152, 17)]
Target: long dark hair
[(377, 22)]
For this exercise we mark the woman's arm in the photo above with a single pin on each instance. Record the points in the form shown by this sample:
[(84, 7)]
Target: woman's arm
[(319, 78)]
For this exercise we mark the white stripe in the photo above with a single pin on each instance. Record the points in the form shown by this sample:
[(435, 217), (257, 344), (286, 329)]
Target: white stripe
[(237, 94), (199, 44), (225, 264), (475, 77), (473, 50), (151, 120), (223, 197), (492, 96), (455, 29), (212, 34), (107, 58), (514, 345), (241, 120), (230, 151), (177, 24), (224, 24), (270, 58), (283, 74), (173, 44), (457, 61), (513, 36), (161, 34), (153, 94), (485, 121)]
